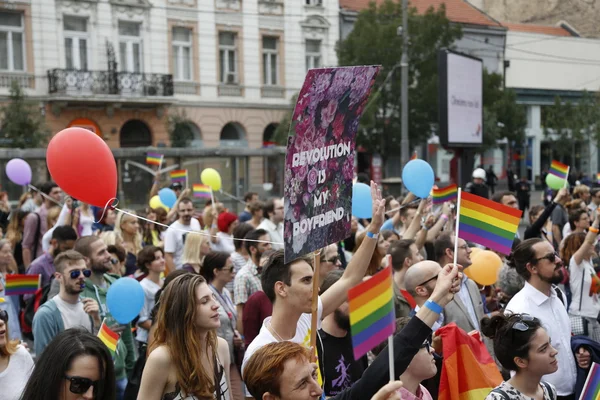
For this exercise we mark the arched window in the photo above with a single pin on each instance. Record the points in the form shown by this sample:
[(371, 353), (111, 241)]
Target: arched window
[(233, 135), (269, 135), (135, 133)]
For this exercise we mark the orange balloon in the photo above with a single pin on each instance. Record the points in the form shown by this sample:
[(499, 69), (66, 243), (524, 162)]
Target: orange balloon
[(485, 267)]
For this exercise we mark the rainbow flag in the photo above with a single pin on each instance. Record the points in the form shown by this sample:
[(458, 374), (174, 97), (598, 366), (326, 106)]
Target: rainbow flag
[(201, 191), (17, 284), (559, 169), (591, 388), (598, 177), (487, 223), (372, 315), (414, 156), (154, 159), (443, 195), (468, 371), (179, 175), (109, 338)]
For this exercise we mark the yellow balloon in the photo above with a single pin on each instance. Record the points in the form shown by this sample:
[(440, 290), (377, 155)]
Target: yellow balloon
[(156, 203), (485, 267), (212, 178), (474, 250)]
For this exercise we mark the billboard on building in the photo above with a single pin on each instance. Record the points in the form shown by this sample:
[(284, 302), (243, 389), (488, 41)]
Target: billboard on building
[(460, 99)]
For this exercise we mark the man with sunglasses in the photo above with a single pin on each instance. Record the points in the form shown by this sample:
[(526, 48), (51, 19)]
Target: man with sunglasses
[(330, 261), (420, 281), (67, 309), (536, 261)]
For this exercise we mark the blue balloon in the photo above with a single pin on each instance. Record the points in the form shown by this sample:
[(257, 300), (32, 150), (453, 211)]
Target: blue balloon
[(418, 178), (362, 203), (125, 299), (167, 197)]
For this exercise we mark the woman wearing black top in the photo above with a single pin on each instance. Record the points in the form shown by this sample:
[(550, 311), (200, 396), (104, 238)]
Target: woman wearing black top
[(536, 229)]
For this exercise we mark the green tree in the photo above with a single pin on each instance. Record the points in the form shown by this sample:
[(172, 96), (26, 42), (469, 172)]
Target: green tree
[(22, 125), (180, 130), (282, 131)]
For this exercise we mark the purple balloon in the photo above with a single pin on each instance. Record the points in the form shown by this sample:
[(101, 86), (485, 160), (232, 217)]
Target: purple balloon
[(18, 171)]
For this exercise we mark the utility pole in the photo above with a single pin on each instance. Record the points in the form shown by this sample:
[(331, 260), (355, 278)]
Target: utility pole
[(403, 30)]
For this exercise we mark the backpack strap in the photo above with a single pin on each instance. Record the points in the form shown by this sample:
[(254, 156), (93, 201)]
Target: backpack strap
[(501, 393), (559, 294), (551, 392)]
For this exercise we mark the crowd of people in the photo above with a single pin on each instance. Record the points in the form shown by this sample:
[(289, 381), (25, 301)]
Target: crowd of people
[(225, 317)]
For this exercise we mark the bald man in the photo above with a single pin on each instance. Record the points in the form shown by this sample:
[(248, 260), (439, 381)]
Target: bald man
[(420, 280)]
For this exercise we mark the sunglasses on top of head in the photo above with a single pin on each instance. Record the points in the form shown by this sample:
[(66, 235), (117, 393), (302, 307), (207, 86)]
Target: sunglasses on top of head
[(76, 272)]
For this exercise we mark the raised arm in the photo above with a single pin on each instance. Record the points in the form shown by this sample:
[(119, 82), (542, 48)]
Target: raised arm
[(411, 231), (357, 267), (588, 244)]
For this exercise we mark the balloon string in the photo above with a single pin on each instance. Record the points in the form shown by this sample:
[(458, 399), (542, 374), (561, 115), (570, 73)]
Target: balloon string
[(44, 195), (182, 230)]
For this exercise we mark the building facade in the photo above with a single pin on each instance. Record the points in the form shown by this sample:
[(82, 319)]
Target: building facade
[(226, 68)]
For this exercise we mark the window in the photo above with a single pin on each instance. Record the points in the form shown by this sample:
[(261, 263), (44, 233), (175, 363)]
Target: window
[(314, 2), (228, 58), (313, 54), (182, 54), (130, 46), (270, 53), (76, 54), (12, 43)]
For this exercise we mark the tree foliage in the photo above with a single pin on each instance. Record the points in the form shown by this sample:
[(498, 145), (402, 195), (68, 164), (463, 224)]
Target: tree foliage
[(180, 130), (22, 125)]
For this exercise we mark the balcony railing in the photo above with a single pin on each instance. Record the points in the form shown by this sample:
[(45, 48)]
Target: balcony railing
[(77, 82), (272, 92), (231, 90), (187, 88), (25, 81)]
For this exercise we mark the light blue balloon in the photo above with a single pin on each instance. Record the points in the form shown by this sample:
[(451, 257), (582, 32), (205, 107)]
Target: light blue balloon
[(362, 203), (167, 197), (418, 178), (125, 299)]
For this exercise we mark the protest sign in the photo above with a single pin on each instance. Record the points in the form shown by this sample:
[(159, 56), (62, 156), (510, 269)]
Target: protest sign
[(319, 165)]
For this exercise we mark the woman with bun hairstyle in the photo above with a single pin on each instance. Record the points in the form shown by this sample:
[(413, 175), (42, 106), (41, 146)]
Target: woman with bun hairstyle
[(522, 345)]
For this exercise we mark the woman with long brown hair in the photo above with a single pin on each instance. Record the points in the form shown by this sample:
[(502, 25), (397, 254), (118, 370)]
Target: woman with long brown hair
[(186, 358), (127, 226), (14, 233)]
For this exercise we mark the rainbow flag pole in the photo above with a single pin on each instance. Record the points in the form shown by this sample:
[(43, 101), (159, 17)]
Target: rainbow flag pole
[(591, 388), (456, 228)]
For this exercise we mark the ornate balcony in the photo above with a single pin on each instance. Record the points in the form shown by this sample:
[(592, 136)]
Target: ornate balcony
[(89, 83)]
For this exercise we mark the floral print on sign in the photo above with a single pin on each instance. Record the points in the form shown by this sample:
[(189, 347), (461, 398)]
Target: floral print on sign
[(319, 167)]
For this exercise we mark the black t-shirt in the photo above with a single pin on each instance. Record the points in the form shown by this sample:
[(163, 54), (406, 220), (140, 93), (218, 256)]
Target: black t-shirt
[(337, 364)]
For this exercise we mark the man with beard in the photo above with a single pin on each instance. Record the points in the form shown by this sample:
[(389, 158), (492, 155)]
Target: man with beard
[(98, 260), (247, 281), (175, 234), (63, 239), (336, 358), (537, 262), (66, 310)]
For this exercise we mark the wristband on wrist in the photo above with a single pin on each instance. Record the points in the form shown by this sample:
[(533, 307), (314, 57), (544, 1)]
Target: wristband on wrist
[(433, 306), (372, 235), (594, 230), (444, 217)]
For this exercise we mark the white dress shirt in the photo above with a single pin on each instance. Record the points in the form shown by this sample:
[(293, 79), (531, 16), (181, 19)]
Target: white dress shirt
[(553, 315), (275, 231)]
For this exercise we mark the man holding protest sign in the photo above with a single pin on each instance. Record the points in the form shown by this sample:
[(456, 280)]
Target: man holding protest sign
[(289, 286)]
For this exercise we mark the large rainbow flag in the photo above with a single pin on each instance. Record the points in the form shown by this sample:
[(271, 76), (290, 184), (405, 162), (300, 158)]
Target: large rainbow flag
[(18, 284), (559, 169), (449, 193), (372, 315), (591, 389), (468, 371), (487, 223), (109, 338)]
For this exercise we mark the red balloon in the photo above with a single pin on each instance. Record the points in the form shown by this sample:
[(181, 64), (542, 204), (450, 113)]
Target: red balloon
[(83, 166)]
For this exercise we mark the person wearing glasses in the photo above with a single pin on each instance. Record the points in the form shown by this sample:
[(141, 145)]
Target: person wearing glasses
[(420, 280), (67, 309), (16, 363), (330, 261), (524, 346), (77, 365), (535, 260)]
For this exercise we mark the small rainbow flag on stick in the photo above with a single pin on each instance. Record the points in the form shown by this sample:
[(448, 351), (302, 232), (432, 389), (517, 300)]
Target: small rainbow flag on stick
[(372, 315), (154, 159), (179, 175), (559, 169), (109, 338), (443, 195), (18, 284), (201, 191), (591, 388), (487, 223), (598, 177)]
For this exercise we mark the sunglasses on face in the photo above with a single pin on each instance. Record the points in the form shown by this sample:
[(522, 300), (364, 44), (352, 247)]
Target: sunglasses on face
[(81, 385), (427, 346), (333, 260), (427, 281), (522, 326), (76, 272), (550, 257), (4, 316)]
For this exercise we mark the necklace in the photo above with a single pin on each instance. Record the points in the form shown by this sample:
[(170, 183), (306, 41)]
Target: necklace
[(278, 337)]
